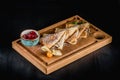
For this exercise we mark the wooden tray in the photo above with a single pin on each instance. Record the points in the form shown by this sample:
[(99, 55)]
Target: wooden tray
[(94, 41)]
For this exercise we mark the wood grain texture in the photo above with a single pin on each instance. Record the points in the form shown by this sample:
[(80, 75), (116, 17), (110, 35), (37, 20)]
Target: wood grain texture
[(34, 54)]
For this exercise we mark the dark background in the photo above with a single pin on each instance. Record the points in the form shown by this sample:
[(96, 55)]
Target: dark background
[(16, 16)]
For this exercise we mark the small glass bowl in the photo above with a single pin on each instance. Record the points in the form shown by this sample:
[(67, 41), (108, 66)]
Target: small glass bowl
[(29, 42)]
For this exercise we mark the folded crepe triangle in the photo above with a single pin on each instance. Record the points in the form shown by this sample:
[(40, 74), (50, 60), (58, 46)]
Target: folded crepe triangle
[(51, 39), (67, 34)]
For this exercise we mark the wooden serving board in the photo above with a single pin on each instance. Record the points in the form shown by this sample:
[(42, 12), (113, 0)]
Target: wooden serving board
[(34, 54)]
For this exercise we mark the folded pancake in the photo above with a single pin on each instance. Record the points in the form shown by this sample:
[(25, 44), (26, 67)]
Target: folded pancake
[(67, 34), (81, 29), (85, 33), (51, 39), (71, 31), (73, 38), (60, 43), (56, 52)]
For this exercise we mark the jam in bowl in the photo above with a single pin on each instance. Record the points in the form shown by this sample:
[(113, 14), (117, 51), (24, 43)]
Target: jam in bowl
[(29, 37)]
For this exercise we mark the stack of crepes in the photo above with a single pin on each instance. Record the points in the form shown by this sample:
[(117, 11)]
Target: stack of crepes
[(54, 43)]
